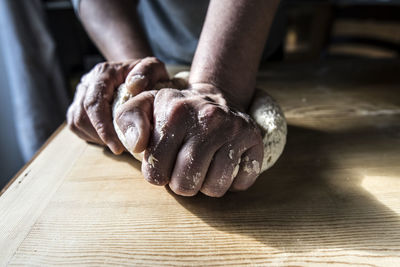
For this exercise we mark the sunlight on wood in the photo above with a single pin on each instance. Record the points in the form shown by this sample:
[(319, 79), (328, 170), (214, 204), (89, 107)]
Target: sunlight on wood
[(384, 189)]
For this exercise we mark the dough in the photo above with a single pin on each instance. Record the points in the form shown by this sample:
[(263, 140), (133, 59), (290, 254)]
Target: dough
[(264, 110)]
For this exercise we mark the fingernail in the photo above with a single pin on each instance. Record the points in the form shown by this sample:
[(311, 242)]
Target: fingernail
[(132, 138), (137, 84)]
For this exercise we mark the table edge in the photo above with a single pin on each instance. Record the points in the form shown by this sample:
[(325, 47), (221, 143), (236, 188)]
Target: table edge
[(52, 136)]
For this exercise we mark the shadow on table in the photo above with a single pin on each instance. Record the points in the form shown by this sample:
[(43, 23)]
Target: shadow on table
[(125, 157), (309, 199)]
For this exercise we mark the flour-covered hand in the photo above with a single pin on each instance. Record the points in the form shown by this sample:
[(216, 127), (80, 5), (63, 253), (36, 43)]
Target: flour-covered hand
[(90, 114), (196, 142)]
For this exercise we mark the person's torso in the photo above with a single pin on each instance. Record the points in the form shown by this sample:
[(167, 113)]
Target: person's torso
[(173, 28)]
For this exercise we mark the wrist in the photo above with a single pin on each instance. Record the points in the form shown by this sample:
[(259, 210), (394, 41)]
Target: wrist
[(218, 94), (238, 89)]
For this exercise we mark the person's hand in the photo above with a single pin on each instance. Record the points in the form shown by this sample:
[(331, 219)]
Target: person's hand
[(90, 115), (193, 140)]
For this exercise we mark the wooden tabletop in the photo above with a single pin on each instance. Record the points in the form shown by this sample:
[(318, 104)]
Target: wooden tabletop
[(333, 197)]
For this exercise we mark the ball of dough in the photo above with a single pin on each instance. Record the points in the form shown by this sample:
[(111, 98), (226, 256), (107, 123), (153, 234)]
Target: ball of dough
[(264, 110)]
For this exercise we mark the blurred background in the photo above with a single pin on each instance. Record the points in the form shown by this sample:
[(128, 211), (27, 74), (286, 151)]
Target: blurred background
[(50, 31)]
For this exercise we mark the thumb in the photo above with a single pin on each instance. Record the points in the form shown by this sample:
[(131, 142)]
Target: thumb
[(145, 75), (134, 118)]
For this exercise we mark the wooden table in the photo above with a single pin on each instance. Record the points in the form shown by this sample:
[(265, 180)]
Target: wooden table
[(333, 197)]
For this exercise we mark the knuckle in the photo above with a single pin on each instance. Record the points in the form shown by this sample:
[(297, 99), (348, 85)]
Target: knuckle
[(167, 96), (244, 128), (105, 70), (101, 83), (213, 110), (152, 60), (215, 119), (101, 66), (90, 102), (151, 66), (96, 95), (169, 93), (213, 113)]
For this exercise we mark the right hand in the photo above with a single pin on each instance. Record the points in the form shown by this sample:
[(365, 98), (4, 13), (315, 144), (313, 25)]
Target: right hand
[(195, 139), (90, 115)]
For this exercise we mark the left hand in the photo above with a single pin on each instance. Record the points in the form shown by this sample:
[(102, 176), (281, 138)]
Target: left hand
[(199, 141), (90, 117)]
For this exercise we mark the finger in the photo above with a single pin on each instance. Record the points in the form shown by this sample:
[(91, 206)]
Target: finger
[(250, 167), (99, 114), (73, 116), (194, 158), (222, 171), (134, 120), (145, 75), (191, 166), (166, 139), (97, 105), (81, 120), (73, 128), (159, 158)]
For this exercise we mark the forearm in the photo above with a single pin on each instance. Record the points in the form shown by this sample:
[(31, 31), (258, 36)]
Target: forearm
[(231, 44), (115, 28)]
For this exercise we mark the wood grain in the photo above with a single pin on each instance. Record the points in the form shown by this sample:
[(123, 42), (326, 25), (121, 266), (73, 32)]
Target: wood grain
[(333, 197), (24, 200)]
